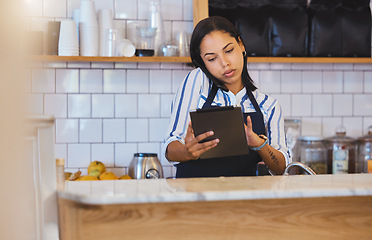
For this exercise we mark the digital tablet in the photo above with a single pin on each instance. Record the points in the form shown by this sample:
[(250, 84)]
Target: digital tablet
[(228, 126)]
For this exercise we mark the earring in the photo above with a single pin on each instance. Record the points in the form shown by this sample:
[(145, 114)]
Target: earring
[(244, 53)]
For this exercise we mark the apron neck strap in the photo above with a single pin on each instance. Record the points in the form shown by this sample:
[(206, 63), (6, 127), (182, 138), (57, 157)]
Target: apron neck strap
[(211, 95)]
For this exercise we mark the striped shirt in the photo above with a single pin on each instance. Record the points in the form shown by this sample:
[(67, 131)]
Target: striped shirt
[(193, 93)]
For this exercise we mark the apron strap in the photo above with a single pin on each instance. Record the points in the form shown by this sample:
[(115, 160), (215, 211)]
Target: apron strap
[(253, 101), (212, 93)]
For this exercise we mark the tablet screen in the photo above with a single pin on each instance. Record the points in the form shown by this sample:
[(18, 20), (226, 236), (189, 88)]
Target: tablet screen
[(228, 126)]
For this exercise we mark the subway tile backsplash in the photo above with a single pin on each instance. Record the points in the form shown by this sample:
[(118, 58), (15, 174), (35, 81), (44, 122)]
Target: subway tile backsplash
[(109, 111)]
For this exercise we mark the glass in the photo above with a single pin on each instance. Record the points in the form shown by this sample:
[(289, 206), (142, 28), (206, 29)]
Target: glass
[(292, 128), (60, 173), (313, 153), (342, 152), (364, 160), (110, 41)]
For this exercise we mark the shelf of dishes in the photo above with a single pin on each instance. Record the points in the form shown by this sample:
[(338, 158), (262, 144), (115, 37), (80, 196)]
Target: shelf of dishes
[(54, 58)]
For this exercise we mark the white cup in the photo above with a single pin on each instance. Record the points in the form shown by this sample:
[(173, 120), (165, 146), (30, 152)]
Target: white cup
[(105, 18), (183, 44), (88, 13), (125, 48), (76, 18), (88, 40), (110, 42), (68, 44), (105, 21)]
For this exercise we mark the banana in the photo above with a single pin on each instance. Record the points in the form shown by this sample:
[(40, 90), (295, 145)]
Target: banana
[(75, 176)]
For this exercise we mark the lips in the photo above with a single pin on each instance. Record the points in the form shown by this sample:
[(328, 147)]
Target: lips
[(229, 73)]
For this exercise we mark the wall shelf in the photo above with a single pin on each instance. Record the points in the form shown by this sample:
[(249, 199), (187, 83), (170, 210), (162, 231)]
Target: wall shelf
[(52, 58)]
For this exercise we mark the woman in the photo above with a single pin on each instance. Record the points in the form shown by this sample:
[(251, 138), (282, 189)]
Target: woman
[(221, 79)]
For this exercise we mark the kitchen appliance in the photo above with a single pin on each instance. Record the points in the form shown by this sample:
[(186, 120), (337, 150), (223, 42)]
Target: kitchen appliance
[(313, 153), (145, 45), (145, 166), (364, 160), (342, 151)]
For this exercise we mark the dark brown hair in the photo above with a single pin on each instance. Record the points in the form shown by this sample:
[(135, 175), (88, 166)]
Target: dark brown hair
[(206, 26)]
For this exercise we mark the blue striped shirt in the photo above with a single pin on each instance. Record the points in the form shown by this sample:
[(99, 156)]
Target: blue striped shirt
[(193, 93)]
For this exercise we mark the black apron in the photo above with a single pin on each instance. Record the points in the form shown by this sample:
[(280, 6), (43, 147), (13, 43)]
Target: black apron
[(244, 165)]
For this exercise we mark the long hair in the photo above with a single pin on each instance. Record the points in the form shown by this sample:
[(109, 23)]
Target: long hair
[(206, 26)]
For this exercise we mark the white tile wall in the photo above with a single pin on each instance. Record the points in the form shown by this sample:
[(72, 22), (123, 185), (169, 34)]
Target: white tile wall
[(103, 106), (90, 130), (79, 105), (67, 80), (109, 111), (114, 130), (114, 81)]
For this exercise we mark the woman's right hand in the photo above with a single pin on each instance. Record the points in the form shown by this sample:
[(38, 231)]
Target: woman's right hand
[(193, 146)]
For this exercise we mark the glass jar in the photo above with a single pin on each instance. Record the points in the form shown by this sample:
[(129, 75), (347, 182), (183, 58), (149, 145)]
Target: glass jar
[(342, 152), (364, 160), (292, 128), (313, 153), (60, 173)]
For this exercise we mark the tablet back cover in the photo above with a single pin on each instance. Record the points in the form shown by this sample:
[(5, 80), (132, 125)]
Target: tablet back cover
[(228, 126)]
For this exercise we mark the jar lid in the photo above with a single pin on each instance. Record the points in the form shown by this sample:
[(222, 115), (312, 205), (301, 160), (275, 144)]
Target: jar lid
[(310, 138), (60, 162), (292, 120), (340, 136), (145, 155), (368, 137)]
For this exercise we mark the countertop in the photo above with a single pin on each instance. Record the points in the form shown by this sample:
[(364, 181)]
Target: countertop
[(216, 189)]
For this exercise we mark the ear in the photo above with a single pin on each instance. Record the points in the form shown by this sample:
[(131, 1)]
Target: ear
[(241, 45)]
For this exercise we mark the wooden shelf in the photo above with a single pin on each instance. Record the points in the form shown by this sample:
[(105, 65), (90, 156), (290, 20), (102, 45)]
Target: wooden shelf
[(188, 60), (53, 58)]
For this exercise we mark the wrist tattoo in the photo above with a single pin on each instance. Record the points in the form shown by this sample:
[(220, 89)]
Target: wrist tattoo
[(273, 158)]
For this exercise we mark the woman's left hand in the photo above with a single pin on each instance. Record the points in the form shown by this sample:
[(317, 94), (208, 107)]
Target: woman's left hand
[(272, 157), (253, 139)]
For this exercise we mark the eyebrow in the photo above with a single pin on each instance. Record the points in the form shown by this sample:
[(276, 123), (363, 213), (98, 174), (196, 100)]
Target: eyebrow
[(222, 49)]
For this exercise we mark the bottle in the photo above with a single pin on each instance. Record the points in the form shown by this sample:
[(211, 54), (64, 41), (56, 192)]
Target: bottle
[(60, 173), (156, 22)]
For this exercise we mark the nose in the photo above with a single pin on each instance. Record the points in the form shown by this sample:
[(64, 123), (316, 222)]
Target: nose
[(224, 61)]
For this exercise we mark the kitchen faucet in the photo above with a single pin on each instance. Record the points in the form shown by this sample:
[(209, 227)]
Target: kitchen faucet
[(300, 165)]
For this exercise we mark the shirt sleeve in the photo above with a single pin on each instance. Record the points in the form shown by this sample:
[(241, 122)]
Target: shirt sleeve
[(275, 130), (186, 99)]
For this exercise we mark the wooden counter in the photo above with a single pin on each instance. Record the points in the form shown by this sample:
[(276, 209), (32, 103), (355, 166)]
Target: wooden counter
[(280, 207)]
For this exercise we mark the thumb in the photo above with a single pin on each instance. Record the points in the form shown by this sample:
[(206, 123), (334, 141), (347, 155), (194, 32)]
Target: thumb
[(189, 133), (249, 124)]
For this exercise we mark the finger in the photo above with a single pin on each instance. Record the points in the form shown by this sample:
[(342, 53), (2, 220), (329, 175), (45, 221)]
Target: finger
[(197, 149), (204, 136), (206, 146), (190, 133), (249, 123)]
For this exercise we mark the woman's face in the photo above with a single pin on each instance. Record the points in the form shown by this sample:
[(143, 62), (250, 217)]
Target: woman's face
[(222, 56)]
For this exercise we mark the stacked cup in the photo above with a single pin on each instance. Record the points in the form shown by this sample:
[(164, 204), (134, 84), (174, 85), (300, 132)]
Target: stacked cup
[(88, 29), (68, 44), (76, 18), (105, 23)]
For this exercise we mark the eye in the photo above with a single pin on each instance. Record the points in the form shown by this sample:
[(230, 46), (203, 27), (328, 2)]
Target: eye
[(230, 50), (211, 59)]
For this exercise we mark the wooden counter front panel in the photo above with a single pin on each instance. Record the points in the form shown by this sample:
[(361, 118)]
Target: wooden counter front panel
[(300, 218)]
